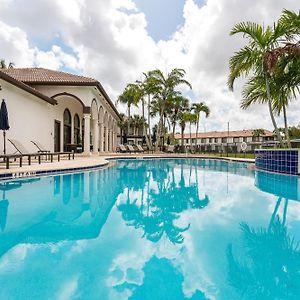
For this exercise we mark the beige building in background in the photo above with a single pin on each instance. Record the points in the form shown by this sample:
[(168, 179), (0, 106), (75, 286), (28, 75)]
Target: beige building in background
[(218, 140), (60, 110)]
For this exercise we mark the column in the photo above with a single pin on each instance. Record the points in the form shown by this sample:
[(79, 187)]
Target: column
[(101, 137), (111, 140), (87, 137), (106, 140), (96, 136)]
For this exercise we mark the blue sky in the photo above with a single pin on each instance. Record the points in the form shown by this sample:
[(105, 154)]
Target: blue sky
[(163, 16)]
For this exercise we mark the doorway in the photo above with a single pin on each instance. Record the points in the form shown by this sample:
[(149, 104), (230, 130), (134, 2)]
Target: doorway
[(56, 136)]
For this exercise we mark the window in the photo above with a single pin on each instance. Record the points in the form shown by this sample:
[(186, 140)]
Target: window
[(76, 129), (67, 129)]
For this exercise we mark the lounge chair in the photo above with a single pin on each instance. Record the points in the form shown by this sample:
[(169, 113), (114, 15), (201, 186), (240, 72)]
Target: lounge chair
[(130, 149), (41, 148), (122, 148), (21, 150), (140, 148)]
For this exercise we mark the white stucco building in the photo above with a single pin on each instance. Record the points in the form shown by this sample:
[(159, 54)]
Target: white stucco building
[(60, 110)]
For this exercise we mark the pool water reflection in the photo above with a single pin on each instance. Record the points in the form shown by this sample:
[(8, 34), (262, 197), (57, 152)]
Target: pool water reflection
[(152, 229)]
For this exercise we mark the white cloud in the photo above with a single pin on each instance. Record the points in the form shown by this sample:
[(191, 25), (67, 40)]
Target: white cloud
[(109, 40)]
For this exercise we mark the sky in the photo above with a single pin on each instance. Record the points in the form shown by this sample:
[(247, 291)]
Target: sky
[(115, 41)]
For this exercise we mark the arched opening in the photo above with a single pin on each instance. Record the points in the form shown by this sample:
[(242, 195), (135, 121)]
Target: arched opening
[(77, 139), (67, 129)]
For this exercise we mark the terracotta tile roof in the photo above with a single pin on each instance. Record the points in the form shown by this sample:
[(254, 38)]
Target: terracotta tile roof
[(26, 87), (221, 134), (43, 76)]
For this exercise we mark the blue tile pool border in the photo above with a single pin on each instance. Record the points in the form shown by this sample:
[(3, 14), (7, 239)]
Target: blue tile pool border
[(284, 161)]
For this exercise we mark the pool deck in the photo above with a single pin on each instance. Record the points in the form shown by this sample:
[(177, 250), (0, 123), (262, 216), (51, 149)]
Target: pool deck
[(89, 162)]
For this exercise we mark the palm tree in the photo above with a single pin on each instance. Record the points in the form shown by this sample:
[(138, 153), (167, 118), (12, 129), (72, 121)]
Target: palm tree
[(149, 89), (197, 109), (183, 116), (122, 123), (257, 133), (192, 119), (251, 57), (3, 64), (129, 97), (178, 103), (165, 89)]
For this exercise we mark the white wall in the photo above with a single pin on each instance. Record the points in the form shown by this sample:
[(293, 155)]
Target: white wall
[(30, 118)]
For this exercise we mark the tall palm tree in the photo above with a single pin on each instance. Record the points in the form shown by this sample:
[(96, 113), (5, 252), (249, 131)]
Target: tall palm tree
[(165, 86), (191, 118), (178, 104), (149, 89), (197, 109), (250, 59), (128, 97), (183, 119)]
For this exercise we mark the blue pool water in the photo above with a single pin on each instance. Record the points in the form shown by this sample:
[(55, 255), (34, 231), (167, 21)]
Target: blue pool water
[(152, 229)]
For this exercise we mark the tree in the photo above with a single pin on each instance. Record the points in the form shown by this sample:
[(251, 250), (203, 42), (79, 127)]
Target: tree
[(257, 133), (197, 109), (129, 97), (251, 57), (164, 89), (178, 104), (192, 119)]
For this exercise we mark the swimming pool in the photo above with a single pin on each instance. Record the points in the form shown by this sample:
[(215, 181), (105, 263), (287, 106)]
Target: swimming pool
[(152, 229)]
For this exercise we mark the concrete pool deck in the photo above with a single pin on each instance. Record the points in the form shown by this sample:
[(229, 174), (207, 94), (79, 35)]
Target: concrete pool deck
[(89, 162)]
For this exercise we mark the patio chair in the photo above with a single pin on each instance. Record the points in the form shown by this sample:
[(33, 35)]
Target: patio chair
[(122, 148), (140, 148), (40, 147), (130, 149), (20, 152)]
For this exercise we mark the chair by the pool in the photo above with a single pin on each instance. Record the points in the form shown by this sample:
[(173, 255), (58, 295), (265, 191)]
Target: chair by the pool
[(130, 149), (40, 147), (140, 148), (122, 148), (21, 152)]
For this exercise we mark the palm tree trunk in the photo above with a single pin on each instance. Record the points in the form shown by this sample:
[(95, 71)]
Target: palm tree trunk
[(144, 126), (182, 134), (271, 111), (173, 131), (286, 129), (149, 118), (128, 121), (197, 129), (191, 135)]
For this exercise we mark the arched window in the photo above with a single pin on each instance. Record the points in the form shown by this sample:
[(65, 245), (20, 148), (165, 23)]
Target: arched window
[(77, 129), (67, 129)]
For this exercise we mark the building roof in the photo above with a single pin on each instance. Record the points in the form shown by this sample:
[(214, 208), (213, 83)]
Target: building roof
[(46, 76), (26, 87), (42, 76), (223, 134)]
